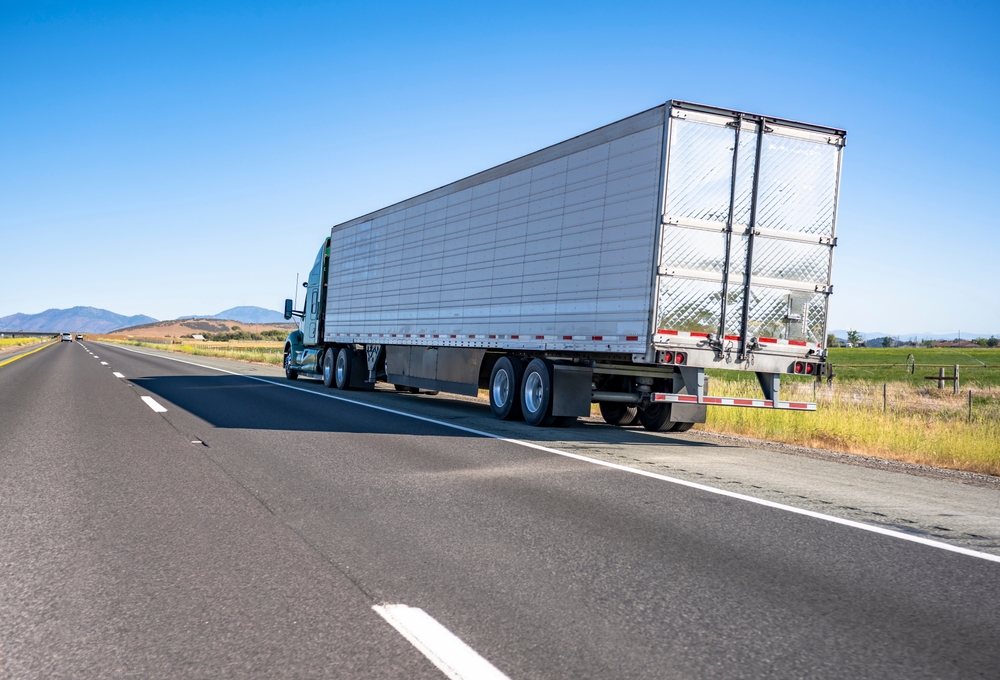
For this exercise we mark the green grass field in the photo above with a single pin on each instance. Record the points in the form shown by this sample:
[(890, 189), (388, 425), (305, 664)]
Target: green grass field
[(875, 407)]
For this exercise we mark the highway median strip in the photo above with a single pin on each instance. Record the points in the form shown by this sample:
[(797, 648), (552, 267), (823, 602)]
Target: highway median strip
[(21, 356)]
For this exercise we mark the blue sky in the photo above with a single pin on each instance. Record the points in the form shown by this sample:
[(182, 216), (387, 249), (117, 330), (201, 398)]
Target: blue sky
[(172, 159)]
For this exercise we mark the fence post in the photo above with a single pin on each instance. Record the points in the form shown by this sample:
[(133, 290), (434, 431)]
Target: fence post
[(885, 399), (941, 378), (970, 408), (956, 378)]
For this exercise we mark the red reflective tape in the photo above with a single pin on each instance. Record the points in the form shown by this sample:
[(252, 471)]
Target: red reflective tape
[(800, 343), (452, 336), (597, 337), (687, 397), (472, 337), (539, 337), (493, 337), (407, 335), (631, 338), (659, 397), (667, 332), (698, 335), (710, 400), (769, 403), (766, 340), (735, 338), (515, 337), (421, 335), (743, 402), (567, 337), (797, 405)]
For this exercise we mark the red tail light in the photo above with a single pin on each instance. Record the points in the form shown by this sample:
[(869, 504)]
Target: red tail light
[(810, 368), (680, 358), (799, 367)]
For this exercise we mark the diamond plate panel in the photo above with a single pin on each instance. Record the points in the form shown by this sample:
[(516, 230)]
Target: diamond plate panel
[(688, 305), (786, 315), (693, 249), (798, 185), (700, 172), (790, 260)]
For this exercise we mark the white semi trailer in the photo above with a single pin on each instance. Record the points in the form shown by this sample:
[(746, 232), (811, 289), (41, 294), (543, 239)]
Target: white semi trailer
[(611, 268)]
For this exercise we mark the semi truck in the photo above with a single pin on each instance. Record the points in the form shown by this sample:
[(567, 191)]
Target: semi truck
[(612, 268)]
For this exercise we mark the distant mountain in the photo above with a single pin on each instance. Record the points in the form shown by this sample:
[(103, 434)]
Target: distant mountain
[(914, 337), (251, 315), (75, 320), (244, 314)]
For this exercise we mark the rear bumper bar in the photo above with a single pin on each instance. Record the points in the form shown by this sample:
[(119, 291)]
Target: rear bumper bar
[(732, 401)]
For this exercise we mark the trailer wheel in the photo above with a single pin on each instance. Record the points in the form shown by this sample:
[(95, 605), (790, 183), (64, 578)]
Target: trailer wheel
[(656, 417), (505, 389), (290, 372), (401, 388), (328, 367), (615, 413), (536, 393), (681, 427), (342, 369)]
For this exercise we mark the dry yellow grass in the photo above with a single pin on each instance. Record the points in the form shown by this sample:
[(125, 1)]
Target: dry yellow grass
[(255, 352), (11, 343), (917, 425)]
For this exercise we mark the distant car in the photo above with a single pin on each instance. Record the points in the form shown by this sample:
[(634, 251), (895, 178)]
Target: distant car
[(79, 336), (67, 337)]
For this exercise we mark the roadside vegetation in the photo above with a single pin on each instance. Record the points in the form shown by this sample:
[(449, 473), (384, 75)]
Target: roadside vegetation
[(13, 343), (878, 405), (258, 352)]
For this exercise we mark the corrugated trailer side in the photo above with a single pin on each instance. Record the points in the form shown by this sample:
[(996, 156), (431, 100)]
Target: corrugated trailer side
[(552, 251)]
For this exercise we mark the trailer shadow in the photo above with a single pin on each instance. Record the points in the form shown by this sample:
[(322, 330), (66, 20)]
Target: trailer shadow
[(233, 401)]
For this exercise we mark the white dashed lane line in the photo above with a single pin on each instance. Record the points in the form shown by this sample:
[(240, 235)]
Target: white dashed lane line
[(104, 363), (118, 375), (153, 404), (443, 648)]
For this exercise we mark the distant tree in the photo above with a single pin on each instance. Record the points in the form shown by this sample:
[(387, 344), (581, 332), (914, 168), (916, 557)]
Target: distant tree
[(235, 328), (980, 341), (927, 343), (887, 341), (993, 341), (831, 340), (854, 338)]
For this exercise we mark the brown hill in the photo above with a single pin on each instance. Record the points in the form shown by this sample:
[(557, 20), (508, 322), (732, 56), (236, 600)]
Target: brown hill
[(179, 327)]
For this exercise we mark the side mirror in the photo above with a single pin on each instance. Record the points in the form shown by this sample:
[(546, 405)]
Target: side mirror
[(288, 309)]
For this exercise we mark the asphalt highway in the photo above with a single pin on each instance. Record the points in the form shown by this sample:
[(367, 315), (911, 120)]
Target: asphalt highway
[(178, 522)]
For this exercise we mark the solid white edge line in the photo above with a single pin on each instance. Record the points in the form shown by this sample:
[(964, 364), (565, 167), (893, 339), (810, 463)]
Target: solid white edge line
[(153, 404), (117, 374), (443, 648), (615, 466)]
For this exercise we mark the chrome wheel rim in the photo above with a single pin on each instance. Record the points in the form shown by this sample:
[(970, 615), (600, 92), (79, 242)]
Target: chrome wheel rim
[(327, 369), (533, 389), (501, 388), (341, 367)]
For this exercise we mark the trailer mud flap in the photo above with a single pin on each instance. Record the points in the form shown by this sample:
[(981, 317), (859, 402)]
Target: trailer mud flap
[(571, 390)]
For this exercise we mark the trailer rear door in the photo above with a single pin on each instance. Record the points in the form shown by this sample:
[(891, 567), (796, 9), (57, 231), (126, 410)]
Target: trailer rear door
[(746, 193)]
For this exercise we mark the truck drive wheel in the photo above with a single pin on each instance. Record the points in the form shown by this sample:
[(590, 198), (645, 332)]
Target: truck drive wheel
[(656, 417), (505, 389), (615, 413), (342, 368), (290, 372), (536, 393), (329, 368)]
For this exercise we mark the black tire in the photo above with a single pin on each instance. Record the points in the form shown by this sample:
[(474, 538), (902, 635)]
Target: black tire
[(505, 389), (342, 368), (401, 388), (328, 369), (413, 390), (290, 373), (536, 393), (615, 413), (656, 417), (681, 427), (564, 421)]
